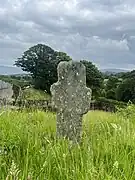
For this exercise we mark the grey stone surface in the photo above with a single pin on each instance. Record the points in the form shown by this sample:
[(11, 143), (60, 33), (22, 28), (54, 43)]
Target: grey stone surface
[(71, 98), (6, 91)]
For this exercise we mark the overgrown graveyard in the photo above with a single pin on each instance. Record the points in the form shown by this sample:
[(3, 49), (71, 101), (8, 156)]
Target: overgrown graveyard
[(36, 144), (59, 128)]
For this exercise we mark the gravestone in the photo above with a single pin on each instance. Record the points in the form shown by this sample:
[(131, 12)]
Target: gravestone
[(71, 98), (6, 92)]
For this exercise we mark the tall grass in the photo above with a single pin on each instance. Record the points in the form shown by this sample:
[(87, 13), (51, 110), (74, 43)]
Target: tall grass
[(29, 149), (33, 94)]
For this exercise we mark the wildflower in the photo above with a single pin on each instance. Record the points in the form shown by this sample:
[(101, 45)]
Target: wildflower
[(116, 165), (116, 126), (64, 155)]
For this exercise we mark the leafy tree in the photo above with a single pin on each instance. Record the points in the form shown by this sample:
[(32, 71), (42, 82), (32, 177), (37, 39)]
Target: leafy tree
[(126, 90), (41, 62), (130, 74), (111, 87), (121, 74), (112, 83), (94, 78), (111, 94)]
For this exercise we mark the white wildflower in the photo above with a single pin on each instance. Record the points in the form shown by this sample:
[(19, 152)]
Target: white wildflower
[(116, 165)]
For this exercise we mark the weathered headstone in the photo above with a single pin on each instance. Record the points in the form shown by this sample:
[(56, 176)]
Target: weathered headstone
[(71, 98), (6, 91)]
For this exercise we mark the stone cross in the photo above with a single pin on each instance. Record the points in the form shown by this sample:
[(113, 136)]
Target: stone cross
[(71, 98)]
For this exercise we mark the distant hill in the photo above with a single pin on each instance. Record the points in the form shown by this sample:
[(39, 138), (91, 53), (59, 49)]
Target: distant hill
[(10, 70), (113, 71)]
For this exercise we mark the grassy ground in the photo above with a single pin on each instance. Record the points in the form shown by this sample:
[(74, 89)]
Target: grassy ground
[(33, 94), (29, 150)]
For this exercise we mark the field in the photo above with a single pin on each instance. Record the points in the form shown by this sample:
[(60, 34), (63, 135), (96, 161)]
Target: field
[(29, 149)]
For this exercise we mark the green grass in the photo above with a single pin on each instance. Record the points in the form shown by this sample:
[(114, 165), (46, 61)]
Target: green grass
[(33, 94), (29, 150)]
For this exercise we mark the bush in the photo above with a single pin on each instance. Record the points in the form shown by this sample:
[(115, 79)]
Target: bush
[(126, 90), (102, 103)]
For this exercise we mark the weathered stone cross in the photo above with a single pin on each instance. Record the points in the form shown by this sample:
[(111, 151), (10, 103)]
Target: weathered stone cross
[(71, 98)]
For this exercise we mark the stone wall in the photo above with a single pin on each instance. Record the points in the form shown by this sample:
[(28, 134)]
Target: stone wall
[(47, 105), (35, 104)]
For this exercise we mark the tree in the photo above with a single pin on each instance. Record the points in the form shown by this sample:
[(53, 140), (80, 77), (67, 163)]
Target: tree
[(94, 78), (111, 94), (111, 87), (126, 90), (112, 83), (41, 62), (128, 75)]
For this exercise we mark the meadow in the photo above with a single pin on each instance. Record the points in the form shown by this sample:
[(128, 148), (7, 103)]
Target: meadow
[(29, 149)]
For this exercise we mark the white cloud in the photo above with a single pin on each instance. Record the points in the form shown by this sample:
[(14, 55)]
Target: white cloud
[(101, 31)]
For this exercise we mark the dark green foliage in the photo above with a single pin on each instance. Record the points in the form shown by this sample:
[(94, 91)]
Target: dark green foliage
[(121, 74), (41, 62), (94, 78), (111, 94), (108, 104), (112, 83), (127, 75), (126, 90), (33, 59), (111, 87)]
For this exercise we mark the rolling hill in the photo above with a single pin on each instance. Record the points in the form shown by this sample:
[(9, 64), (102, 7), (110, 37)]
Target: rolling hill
[(10, 70), (113, 71)]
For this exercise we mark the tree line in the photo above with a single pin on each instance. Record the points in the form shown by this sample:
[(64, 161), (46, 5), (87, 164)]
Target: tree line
[(41, 62)]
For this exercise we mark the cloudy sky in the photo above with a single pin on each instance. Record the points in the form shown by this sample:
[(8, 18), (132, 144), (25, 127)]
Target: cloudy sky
[(102, 31)]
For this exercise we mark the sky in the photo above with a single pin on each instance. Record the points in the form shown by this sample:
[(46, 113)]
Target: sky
[(101, 31)]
